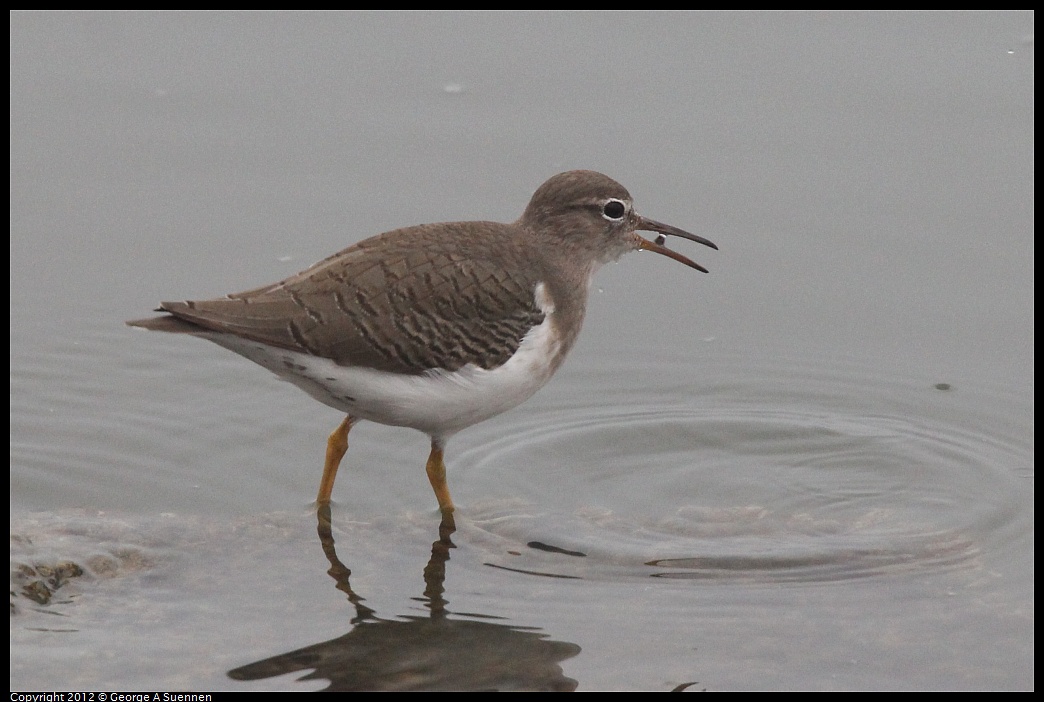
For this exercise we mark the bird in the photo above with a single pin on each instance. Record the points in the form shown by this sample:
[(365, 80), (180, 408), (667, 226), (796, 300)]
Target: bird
[(434, 327)]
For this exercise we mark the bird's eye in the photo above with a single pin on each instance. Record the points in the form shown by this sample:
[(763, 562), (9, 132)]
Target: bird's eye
[(614, 210)]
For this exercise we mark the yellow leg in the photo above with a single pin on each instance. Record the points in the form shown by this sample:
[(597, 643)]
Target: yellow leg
[(336, 445), (437, 476)]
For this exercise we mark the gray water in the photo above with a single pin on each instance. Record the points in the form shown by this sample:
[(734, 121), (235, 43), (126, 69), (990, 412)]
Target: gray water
[(811, 468)]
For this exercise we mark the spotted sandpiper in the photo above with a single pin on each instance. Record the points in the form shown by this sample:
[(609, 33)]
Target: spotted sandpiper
[(438, 326)]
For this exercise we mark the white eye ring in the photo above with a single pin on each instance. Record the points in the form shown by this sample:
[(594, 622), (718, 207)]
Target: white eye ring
[(614, 210)]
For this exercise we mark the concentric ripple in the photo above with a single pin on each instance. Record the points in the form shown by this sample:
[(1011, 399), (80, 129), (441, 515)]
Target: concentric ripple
[(780, 476)]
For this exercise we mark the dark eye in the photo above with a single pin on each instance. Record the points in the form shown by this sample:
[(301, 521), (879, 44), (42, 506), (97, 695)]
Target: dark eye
[(614, 210)]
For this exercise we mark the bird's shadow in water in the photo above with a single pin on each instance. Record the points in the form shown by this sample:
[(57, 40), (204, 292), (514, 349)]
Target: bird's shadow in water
[(437, 652)]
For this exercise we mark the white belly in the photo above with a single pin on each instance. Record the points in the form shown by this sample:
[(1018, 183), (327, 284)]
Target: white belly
[(439, 403)]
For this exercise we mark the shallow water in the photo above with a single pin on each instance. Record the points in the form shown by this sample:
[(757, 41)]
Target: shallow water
[(812, 468), (705, 523)]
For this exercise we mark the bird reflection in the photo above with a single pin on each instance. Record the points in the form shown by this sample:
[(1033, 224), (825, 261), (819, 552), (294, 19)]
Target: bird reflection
[(437, 652)]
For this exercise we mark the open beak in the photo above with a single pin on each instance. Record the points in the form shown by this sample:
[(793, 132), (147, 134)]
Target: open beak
[(651, 225)]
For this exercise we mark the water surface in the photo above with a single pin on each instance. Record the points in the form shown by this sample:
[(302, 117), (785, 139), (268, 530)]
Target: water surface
[(811, 468)]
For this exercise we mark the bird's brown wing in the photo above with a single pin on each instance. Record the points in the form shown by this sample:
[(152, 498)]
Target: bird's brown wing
[(406, 302)]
